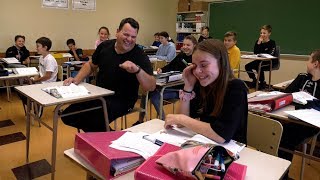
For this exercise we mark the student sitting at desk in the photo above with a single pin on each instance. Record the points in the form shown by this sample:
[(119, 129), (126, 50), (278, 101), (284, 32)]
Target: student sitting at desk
[(103, 35), (122, 67), (180, 62), (77, 53), (167, 50), (19, 51), (156, 41), (263, 45), (212, 94), (204, 34), (230, 41), (295, 134), (48, 67)]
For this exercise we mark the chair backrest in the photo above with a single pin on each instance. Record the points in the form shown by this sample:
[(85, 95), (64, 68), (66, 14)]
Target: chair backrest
[(277, 54), (60, 73), (264, 134)]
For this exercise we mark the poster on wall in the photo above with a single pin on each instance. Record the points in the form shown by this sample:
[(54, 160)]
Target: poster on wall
[(88, 5), (61, 4)]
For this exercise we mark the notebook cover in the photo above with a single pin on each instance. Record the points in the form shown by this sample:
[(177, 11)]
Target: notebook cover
[(151, 170), (94, 148), (236, 172)]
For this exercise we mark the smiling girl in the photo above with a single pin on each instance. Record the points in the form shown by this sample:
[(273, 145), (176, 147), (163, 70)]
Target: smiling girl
[(103, 35), (212, 95)]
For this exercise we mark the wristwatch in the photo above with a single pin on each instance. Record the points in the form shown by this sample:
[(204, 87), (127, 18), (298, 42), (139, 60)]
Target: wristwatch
[(139, 69)]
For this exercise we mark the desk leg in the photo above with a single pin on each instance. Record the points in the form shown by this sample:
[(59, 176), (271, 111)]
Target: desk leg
[(54, 139), (28, 129), (258, 75), (146, 107), (105, 112), (270, 75), (161, 102), (7, 84)]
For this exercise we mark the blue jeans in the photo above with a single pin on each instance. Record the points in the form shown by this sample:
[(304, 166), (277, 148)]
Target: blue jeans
[(155, 100)]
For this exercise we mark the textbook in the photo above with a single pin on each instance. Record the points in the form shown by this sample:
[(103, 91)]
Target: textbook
[(302, 97), (168, 77), (66, 91), (11, 60), (25, 71), (135, 142)]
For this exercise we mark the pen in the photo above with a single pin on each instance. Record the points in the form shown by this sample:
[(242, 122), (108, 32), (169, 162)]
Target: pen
[(153, 140), (184, 62), (222, 165), (216, 162)]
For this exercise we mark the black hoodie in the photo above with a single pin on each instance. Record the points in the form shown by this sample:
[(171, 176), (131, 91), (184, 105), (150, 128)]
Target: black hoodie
[(304, 82)]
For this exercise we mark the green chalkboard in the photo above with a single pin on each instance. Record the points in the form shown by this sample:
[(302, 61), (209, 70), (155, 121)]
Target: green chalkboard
[(295, 23)]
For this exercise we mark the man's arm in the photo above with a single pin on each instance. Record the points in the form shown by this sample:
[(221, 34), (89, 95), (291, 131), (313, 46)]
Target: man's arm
[(147, 82), (85, 71)]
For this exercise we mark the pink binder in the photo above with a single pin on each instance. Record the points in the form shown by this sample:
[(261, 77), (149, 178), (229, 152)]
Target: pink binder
[(94, 148)]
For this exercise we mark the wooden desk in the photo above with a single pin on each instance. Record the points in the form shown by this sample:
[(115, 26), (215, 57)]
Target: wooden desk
[(283, 85), (37, 95), (255, 57), (163, 86), (260, 165), (12, 76)]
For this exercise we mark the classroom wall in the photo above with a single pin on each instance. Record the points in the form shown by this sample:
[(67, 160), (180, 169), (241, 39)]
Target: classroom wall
[(28, 18)]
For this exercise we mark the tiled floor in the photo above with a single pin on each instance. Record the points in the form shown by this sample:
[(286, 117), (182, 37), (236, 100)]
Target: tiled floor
[(14, 154)]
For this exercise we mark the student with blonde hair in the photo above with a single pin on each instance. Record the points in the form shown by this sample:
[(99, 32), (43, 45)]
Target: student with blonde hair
[(230, 41), (263, 45)]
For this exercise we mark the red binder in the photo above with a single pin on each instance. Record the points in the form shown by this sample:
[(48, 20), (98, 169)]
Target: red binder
[(150, 170), (273, 101), (94, 148)]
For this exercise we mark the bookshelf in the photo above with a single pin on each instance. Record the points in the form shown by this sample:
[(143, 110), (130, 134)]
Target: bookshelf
[(189, 22)]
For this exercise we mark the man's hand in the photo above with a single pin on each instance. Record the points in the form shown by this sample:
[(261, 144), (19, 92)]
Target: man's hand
[(68, 81), (129, 66)]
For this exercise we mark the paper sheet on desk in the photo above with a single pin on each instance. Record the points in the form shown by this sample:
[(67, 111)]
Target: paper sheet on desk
[(134, 142), (175, 136), (310, 116), (302, 97)]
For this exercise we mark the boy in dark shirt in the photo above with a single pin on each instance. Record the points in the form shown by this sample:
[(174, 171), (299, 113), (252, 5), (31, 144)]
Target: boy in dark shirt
[(77, 53), (263, 45), (156, 41), (294, 134), (19, 51)]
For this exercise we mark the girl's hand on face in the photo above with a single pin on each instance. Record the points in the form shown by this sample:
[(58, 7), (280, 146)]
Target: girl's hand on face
[(188, 77), (159, 70)]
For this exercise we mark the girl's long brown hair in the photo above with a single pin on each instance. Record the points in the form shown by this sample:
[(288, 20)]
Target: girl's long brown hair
[(216, 90)]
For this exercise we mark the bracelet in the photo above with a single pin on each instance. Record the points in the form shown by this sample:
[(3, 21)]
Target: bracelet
[(186, 96), (186, 91), (139, 69)]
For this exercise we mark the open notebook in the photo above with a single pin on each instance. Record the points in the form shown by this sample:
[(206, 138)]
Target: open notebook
[(66, 91), (134, 142)]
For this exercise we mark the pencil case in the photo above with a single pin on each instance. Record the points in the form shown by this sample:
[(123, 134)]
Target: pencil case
[(203, 162)]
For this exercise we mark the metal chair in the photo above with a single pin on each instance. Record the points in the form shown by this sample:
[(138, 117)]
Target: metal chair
[(264, 134)]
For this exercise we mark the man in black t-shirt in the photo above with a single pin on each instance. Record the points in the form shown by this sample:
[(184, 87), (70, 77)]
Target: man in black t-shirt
[(122, 67)]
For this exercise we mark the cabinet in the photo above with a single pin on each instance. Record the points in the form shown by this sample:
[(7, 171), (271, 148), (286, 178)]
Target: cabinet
[(190, 22)]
